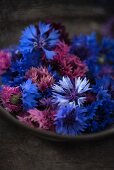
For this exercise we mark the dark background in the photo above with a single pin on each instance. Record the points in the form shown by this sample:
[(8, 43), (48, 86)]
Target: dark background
[(20, 150)]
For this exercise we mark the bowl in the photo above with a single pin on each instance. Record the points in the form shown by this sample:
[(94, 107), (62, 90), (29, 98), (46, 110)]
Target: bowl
[(51, 136), (76, 16)]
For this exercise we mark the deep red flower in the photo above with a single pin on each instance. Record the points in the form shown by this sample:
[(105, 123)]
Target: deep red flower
[(64, 35), (68, 64), (5, 61)]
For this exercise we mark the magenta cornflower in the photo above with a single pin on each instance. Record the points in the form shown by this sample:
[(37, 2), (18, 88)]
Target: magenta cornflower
[(49, 116), (41, 77), (5, 61), (62, 49), (10, 97)]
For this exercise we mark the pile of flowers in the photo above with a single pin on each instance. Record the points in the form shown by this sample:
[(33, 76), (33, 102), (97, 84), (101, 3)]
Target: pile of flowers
[(58, 84)]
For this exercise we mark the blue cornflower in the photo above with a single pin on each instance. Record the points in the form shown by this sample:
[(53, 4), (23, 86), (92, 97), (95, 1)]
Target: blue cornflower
[(101, 63), (93, 66), (26, 62), (70, 120), (29, 94), (85, 46), (91, 109), (100, 114), (101, 88), (102, 83), (107, 50), (15, 75), (68, 92), (28, 39), (43, 37)]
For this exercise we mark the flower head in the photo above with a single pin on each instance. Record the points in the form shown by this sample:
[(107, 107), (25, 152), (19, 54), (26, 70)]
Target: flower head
[(15, 75), (5, 61), (107, 50), (68, 92), (68, 64), (28, 39), (29, 94), (47, 103), (100, 114), (85, 46), (62, 49), (41, 77), (64, 36), (38, 119), (70, 120), (42, 36), (25, 119), (10, 97)]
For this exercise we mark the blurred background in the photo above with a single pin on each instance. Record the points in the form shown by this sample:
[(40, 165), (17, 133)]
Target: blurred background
[(78, 16)]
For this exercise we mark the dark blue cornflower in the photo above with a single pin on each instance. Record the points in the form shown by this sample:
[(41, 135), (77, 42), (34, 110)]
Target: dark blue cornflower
[(107, 50), (55, 74), (70, 121), (30, 95), (100, 115), (101, 111), (26, 62), (16, 73), (42, 36), (85, 46), (93, 67), (102, 83), (102, 88), (102, 63)]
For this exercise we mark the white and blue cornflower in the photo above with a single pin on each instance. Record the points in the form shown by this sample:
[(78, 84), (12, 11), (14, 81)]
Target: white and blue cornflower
[(70, 92), (42, 37)]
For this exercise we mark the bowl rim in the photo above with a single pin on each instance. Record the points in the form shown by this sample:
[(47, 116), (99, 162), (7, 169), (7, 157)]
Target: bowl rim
[(53, 136)]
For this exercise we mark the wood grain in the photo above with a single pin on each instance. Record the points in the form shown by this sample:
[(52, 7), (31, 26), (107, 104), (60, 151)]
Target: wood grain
[(20, 150)]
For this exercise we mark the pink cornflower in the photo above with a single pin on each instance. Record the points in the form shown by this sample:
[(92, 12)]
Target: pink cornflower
[(25, 119), (41, 77), (10, 97), (39, 119), (68, 64), (5, 61)]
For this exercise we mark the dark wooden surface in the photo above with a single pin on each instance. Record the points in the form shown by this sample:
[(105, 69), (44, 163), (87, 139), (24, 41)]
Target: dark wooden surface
[(20, 150)]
